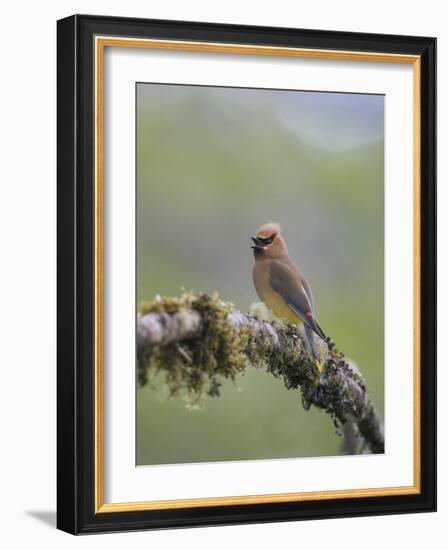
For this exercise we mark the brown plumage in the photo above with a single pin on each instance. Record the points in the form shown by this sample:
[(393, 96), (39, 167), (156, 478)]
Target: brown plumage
[(281, 285)]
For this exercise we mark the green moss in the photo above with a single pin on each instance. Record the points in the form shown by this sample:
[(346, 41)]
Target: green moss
[(168, 304), (193, 368)]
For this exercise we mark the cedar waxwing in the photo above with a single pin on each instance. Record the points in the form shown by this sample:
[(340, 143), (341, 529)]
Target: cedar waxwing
[(281, 286)]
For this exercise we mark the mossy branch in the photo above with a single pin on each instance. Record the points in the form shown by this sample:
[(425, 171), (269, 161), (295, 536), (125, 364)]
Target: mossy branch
[(197, 340)]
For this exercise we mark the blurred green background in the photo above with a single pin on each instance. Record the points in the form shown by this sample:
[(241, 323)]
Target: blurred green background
[(213, 164)]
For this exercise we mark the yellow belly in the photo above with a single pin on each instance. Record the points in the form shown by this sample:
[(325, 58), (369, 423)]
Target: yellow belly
[(280, 308)]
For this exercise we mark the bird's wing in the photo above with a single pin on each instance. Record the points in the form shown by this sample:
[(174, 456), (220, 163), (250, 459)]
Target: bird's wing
[(290, 287), (307, 289)]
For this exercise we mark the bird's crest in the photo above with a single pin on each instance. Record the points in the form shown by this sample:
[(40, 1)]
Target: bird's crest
[(268, 229)]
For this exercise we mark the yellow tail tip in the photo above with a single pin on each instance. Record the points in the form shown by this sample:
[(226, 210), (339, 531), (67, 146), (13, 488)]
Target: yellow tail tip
[(318, 365)]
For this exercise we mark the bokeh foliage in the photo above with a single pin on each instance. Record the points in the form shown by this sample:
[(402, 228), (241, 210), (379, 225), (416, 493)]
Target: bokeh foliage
[(213, 164)]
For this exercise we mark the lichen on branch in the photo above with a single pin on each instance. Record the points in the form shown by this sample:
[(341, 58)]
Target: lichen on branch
[(209, 350), (197, 340)]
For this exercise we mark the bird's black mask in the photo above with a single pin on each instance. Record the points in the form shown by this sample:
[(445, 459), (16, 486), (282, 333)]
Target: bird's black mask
[(261, 243)]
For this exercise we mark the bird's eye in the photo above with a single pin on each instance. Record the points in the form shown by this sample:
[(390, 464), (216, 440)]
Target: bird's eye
[(267, 240)]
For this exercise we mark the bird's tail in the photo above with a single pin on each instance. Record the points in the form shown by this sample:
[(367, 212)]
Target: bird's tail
[(312, 343)]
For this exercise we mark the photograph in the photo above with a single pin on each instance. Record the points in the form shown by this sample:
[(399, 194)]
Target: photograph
[(259, 273), (246, 274)]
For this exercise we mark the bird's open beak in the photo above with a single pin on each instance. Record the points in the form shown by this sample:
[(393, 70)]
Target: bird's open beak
[(258, 243)]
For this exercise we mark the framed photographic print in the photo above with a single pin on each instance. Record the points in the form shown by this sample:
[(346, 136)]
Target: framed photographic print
[(246, 274)]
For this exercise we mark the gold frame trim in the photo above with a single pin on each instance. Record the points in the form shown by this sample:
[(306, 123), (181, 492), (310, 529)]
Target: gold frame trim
[(101, 42)]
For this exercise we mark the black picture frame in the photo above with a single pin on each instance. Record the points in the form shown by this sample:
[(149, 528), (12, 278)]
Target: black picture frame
[(76, 263)]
